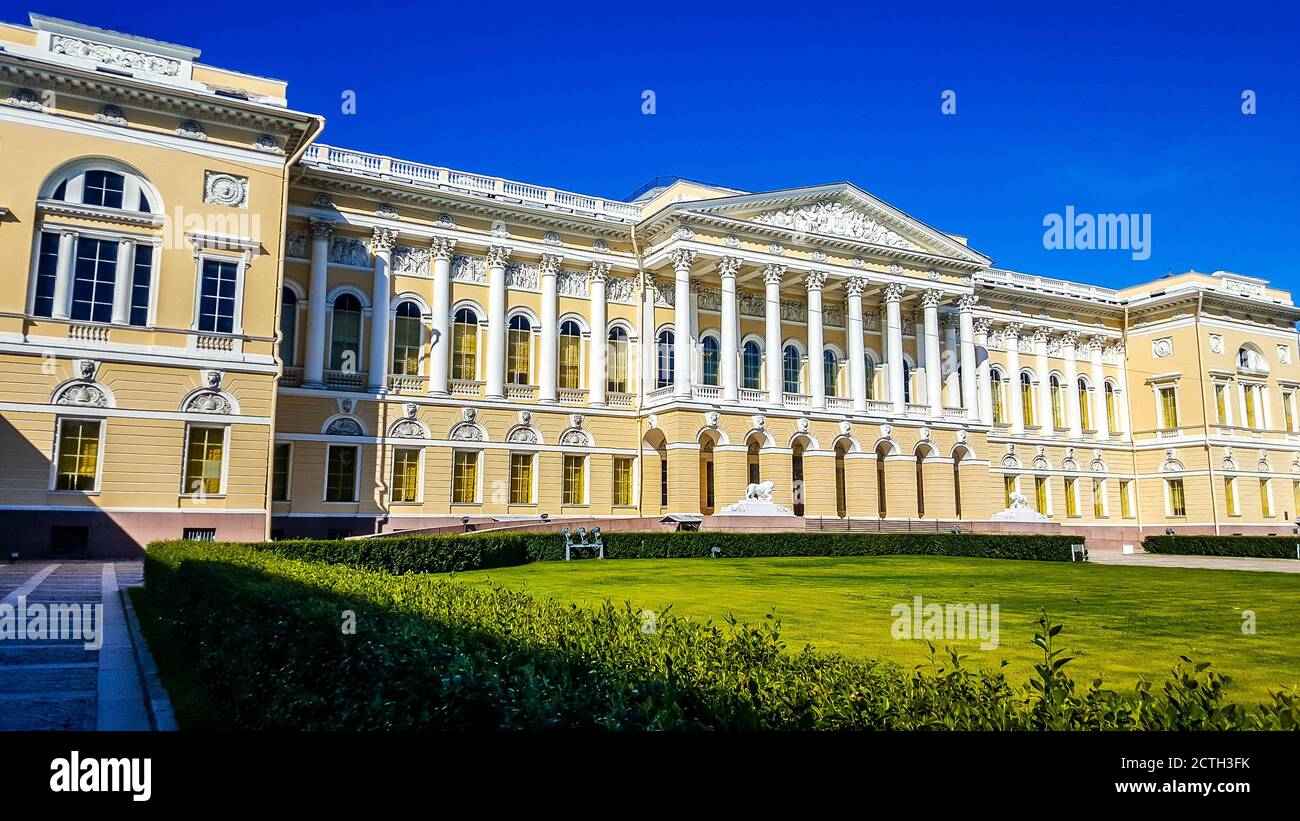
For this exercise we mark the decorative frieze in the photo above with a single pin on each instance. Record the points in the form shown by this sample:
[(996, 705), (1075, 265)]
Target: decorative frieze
[(115, 56), (571, 283), (620, 289), (411, 260), (349, 251), (834, 218), (465, 268), (296, 244)]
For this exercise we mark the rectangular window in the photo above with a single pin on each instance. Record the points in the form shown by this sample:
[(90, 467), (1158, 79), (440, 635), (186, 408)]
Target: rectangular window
[(141, 278), (217, 290), (1295, 499), (464, 350), (1248, 392), (407, 333), (1026, 400), (575, 486), (280, 472), (47, 267), (1230, 495), (406, 475), (622, 481), (1040, 494), (1177, 501), (1099, 498), (995, 391), (1288, 410), (1125, 498), (521, 478), (204, 459), (1071, 496), (570, 360), (1221, 403), (663, 480), (341, 473), (1266, 497), (104, 188), (1168, 409), (93, 278), (78, 459), (464, 477), (519, 345), (1058, 405), (1008, 489)]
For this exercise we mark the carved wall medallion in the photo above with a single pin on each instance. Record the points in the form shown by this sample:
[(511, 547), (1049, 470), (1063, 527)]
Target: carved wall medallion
[(1216, 343), (191, 129), (208, 402), (345, 426), (225, 189), (1162, 347)]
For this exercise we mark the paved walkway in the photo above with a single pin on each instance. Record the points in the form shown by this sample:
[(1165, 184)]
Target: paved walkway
[(56, 683), (1204, 562)]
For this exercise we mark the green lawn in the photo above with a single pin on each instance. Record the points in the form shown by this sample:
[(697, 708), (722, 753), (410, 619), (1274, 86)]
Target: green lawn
[(1120, 622)]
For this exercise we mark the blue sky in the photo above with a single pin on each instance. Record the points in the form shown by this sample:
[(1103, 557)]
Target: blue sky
[(1111, 108)]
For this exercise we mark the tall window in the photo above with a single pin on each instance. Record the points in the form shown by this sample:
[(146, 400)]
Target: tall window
[(47, 267), (217, 296), (752, 469), (341, 473), (1177, 501), (570, 375), (345, 334), (1230, 495), (1221, 404), (1027, 399), (841, 483), (406, 339), (616, 360), (622, 481), (831, 372), (752, 366), (664, 375), (1008, 489), (1112, 409), (204, 459), (464, 345), (519, 343), (78, 459), (663, 478), (94, 276), (406, 475), (521, 478), (1126, 498), (1085, 407), (871, 378), (1071, 496), (1249, 395), (1266, 497), (1288, 410), (280, 464), (1058, 401), (1040, 494), (141, 281), (288, 326), (995, 394), (1099, 498), (575, 480), (907, 383), (1168, 408), (790, 369), (711, 360), (464, 477)]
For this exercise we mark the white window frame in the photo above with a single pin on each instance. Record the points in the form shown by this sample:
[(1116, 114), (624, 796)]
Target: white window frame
[(636, 479), (1266, 494), (1231, 493), (240, 262), (586, 480), (532, 492), (356, 477), (99, 456), (288, 479), (419, 477), (1101, 483), (478, 477), (1169, 497), (225, 460)]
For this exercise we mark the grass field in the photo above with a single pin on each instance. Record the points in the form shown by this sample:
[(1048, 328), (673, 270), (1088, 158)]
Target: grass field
[(1120, 622)]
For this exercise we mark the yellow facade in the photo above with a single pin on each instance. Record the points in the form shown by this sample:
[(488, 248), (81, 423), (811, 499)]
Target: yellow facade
[(272, 336)]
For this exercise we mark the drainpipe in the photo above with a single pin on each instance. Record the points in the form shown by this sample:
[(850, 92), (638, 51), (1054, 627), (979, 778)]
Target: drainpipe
[(640, 371), (1128, 404), (1205, 414)]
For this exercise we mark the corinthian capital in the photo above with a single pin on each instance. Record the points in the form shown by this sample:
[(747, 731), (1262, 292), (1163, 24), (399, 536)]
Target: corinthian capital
[(773, 273), (1013, 332), (322, 229), (599, 271), (967, 302), (894, 292), (683, 259), (443, 248), (550, 264), (930, 299), (498, 256), (814, 280), (1070, 339), (854, 286), (728, 267), (382, 240), (982, 325)]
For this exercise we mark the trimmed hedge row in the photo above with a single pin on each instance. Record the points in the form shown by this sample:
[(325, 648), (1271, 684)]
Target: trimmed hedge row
[(450, 554), (429, 653), (1257, 547)]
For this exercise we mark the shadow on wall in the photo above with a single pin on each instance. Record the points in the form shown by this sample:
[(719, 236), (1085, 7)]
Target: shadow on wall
[(36, 522)]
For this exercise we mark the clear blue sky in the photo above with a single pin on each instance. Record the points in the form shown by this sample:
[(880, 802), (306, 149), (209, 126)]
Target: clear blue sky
[(1124, 107)]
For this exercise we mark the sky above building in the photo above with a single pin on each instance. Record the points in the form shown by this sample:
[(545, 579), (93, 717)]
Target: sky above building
[(992, 121)]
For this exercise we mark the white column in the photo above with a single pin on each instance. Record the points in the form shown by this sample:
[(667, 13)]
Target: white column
[(683, 258), (921, 393), (381, 246), (649, 352), (597, 380), (1046, 425), (1099, 421), (894, 345), (857, 353), (548, 345), (730, 342), (1015, 409), (983, 386), (966, 327), (313, 371), (440, 359), (122, 283), (63, 275), (814, 281), (772, 331), (933, 370), (495, 371), (951, 356), (1072, 398)]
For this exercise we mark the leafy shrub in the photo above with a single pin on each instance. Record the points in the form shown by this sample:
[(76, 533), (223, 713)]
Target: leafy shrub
[(428, 653), (1261, 547)]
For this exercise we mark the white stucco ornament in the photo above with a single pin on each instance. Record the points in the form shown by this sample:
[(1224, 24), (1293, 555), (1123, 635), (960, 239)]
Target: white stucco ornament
[(757, 502)]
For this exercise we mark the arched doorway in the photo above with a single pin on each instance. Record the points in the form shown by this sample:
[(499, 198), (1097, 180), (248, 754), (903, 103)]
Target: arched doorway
[(841, 482), (922, 451), (958, 453), (882, 452), (708, 497), (654, 478), (796, 475), (753, 469)]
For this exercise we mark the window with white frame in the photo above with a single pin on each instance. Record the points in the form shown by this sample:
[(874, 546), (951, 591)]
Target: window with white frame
[(218, 295), (1100, 504), (78, 452), (1175, 498), (407, 480), (1230, 500), (205, 460), (341, 472)]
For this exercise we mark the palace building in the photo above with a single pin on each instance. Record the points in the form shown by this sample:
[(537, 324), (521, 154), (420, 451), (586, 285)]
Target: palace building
[(214, 325)]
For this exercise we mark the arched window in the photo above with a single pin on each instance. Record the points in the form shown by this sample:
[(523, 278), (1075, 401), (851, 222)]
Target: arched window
[(841, 482), (664, 374), (882, 502), (464, 345), (1027, 398), (957, 456), (995, 394), (570, 375), (345, 334), (907, 383), (288, 327), (920, 484), (752, 365), (711, 351), (707, 499), (407, 332), (1249, 358), (1085, 406), (1058, 401), (519, 344), (1112, 409), (796, 477), (753, 469), (831, 372), (790, 369), (616, 360), (871, 378)]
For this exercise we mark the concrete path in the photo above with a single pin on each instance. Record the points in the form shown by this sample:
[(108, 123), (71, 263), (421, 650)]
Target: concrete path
[(56, 683), (1204, 562)]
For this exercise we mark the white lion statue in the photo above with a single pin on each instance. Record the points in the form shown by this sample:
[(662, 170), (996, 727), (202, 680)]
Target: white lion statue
[(1019, 502), (759, 491)]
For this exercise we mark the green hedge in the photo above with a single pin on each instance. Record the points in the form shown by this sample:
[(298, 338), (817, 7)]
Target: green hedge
[(266, 637), (1260, 547), (448, 554)]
